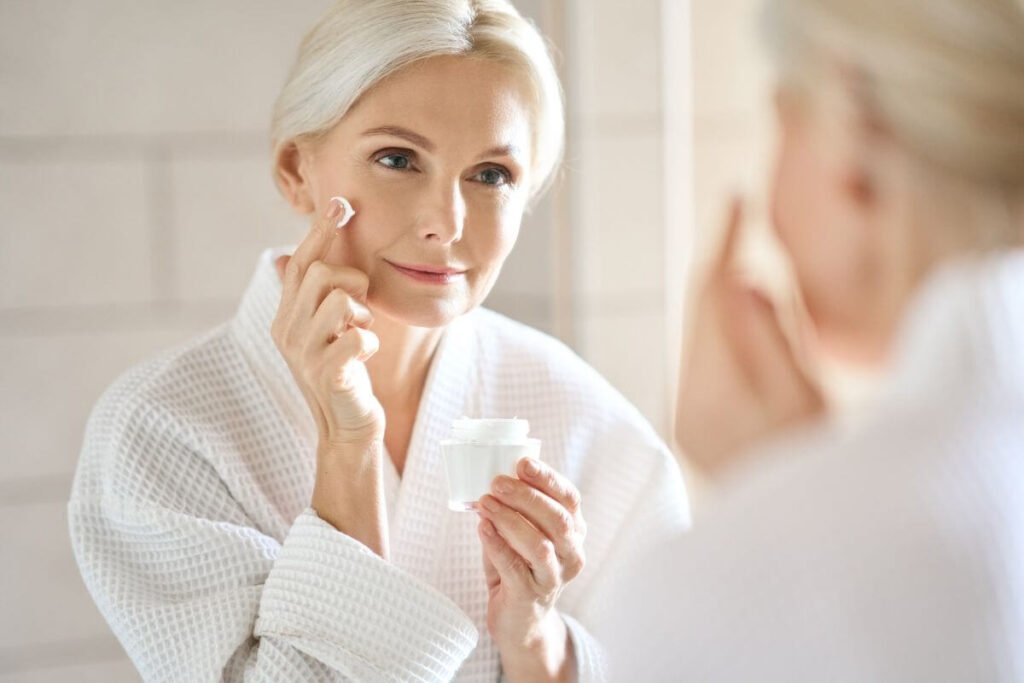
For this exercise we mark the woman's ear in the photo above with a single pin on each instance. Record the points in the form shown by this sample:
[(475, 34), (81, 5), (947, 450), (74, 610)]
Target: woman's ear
[(292, 177)]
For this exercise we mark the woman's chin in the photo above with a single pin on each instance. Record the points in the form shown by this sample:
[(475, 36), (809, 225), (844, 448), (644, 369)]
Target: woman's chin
[(419, 311)]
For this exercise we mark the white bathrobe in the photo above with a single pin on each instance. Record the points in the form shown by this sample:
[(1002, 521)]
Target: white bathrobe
[(190, 522), (890, 552)]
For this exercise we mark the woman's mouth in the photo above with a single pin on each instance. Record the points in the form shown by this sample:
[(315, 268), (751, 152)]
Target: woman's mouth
[(435, 275)]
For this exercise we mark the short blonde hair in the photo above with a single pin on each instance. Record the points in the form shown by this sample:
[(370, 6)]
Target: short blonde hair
[(944, 77), (359, 42)]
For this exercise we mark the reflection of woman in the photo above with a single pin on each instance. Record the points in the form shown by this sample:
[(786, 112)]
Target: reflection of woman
[(269, 503), (895, 552)]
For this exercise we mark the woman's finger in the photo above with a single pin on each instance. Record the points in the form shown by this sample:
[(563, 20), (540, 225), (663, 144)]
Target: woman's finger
[(321, 279), (338, 313), (526, 540), (509, 566), (550, 482), (281, 263), (490, 571), (767, 357), (313, 248), (354, 344), (731, 237), (547, 515)]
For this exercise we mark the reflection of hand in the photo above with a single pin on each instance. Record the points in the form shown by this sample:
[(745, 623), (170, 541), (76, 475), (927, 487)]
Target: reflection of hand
[(532, 531), (740, 379), (321, 329)]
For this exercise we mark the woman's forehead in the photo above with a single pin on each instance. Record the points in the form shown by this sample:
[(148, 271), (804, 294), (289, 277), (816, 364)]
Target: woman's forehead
[(451, 101)]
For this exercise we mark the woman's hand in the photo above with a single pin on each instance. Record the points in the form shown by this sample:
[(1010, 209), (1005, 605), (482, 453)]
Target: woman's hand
[(740, 378), (532, 532), (321, 329)]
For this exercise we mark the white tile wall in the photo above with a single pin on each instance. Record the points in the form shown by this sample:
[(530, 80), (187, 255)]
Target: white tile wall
[(618, 180), (224, 212), (730, 65), (114, 671), (622, 229), (631, 355), (75, 233), (137, 67), (616, 58), (51, 381), (45, 600)]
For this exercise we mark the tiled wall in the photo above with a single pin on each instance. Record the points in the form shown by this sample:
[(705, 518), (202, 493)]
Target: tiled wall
[(135, 196), (616, 169)]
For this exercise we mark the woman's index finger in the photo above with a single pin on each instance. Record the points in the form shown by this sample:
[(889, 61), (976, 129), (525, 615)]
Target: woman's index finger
[(731, 238), (313, 248)]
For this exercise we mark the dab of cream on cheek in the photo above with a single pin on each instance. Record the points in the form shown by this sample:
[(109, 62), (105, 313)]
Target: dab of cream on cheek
[(347, 212)]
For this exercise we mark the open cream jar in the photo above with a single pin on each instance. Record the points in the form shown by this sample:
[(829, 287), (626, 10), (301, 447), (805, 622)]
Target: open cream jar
[(480, 450)]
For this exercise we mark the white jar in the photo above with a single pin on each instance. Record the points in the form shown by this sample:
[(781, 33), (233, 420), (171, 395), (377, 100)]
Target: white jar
[(480, 450)]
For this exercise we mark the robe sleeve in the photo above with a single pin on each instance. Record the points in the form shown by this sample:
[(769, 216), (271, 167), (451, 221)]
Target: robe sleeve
[(591, 663), (195, 592)]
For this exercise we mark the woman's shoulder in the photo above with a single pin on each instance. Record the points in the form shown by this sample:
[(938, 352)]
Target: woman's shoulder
[(140, 428), (175, 379)]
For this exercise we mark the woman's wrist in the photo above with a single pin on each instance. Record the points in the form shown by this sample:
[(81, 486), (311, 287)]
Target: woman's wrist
[(348, 492), (545, 655)]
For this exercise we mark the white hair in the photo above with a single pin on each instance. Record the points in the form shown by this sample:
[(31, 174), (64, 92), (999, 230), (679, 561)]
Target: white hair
[(945, 78), (359, 42)]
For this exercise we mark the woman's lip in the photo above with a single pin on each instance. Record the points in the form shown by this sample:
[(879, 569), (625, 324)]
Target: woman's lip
[(431, 274)]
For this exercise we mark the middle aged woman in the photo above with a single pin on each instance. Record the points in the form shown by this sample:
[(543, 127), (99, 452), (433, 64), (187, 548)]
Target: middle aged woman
[(268, 502)]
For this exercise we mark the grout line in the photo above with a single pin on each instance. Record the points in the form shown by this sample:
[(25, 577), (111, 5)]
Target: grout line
[(97, 318), (61, 653), (133, 147)]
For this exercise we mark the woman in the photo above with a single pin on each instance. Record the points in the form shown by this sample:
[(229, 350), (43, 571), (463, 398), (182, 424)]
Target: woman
[(268, 502), (895, 552)]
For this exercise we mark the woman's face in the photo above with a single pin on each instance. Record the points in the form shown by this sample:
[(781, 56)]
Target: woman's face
[(840, 224), (435, 160)]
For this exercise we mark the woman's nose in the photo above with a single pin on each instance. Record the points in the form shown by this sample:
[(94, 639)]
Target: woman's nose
[(446, 217)]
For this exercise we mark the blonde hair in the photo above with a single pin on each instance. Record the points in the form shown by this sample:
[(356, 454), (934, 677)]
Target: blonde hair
[(359, 42), (944, 78)]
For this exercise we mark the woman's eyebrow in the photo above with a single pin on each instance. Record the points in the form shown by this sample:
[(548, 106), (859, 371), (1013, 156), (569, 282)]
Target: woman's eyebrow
[(404, 133), (511, 150), (507, 150)]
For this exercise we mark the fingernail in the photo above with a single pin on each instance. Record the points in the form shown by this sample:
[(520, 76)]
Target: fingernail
[(531, 467), (487, 528), (502, 485), (489, 503), (334, 207)]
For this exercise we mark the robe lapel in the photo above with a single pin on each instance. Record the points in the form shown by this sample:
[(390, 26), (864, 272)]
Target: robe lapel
[(421, 512)]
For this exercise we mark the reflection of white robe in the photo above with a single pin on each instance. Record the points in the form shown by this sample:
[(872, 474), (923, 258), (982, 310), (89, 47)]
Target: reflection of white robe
[(892, 553), (189, 513)]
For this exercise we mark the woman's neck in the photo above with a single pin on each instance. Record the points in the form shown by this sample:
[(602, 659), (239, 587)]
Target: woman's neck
[(398, 374)]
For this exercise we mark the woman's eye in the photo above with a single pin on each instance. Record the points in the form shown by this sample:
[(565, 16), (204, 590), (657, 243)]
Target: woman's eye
[(494, 176), (400, 162)]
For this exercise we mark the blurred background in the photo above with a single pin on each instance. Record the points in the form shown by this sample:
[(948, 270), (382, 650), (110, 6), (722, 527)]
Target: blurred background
[(136, 194)]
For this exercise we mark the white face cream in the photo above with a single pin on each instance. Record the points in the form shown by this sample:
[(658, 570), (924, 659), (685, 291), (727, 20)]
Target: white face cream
[(480, 450), (346, 211)]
